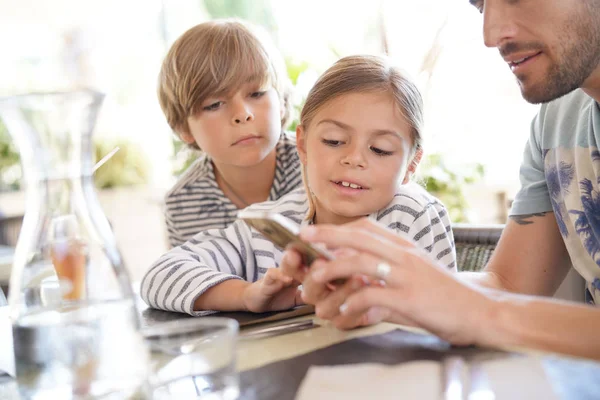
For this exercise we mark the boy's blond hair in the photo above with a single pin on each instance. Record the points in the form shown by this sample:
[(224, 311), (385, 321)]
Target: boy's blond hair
[(363, 74), (213, 59)]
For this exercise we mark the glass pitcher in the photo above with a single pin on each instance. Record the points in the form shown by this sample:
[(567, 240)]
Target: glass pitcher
[(75, 326)]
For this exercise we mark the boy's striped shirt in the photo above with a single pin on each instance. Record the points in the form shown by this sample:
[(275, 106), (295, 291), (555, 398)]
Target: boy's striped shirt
[(184, 273), (196, 203)]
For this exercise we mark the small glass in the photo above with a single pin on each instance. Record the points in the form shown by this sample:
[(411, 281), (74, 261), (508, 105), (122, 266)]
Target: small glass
[(194, 358)]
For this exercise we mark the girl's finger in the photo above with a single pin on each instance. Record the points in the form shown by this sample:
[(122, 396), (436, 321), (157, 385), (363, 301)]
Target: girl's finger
[(291, 265), (275, 278)]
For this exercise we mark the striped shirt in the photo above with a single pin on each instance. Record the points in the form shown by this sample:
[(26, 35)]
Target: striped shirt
[(196, 203), (180, 276)]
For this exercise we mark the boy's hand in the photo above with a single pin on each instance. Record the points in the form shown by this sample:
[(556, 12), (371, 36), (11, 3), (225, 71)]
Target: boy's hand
[(275, 291)]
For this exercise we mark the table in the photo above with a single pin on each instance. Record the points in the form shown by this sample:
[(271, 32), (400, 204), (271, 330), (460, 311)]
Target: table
[(273, 368)]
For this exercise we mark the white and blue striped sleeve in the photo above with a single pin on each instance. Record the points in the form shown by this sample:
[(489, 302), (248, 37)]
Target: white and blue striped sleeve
[(431, 230), (180, 276), (421, 218)]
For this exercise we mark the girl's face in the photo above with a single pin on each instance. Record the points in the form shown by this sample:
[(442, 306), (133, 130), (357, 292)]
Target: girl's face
[(356, 151)]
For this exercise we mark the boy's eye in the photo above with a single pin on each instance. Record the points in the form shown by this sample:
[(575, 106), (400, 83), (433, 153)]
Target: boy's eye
[(213, 106), (332, 143), (381, 152), (258, 94)]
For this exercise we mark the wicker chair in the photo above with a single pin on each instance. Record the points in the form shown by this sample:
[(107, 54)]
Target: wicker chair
[(475, 244), (10, 227)]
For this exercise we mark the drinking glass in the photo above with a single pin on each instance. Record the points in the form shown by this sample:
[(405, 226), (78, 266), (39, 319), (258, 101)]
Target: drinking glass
[(193, 358)]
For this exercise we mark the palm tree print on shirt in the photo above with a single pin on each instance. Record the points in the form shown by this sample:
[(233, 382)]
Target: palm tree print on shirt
[(559, 178), (587, 224)]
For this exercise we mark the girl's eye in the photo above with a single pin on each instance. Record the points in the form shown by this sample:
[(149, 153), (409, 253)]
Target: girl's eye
[(258, 94), (213, 106), (380, 152), (332, 143)]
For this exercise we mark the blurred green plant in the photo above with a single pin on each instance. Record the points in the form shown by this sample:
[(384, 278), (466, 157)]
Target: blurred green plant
[(448, 183), (295, 69), (10, 166), (127, 167), (183, 156)]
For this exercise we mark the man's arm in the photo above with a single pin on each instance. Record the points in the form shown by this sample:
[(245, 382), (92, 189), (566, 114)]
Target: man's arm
[(531, 257), (543, 324)]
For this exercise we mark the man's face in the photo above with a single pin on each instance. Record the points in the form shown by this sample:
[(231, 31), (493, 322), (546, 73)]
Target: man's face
[(552, 46)]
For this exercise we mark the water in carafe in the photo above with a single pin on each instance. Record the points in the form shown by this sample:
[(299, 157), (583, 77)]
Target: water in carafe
[(75, 327)]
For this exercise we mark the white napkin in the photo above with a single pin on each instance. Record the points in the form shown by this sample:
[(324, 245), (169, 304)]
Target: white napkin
[(509, 378), (7, 356)]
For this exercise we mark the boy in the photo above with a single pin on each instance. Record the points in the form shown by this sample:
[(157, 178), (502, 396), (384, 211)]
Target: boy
[(224, 90)]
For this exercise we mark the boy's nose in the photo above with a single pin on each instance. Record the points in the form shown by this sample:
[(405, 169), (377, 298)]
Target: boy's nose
[(242, 114), (241, 118)]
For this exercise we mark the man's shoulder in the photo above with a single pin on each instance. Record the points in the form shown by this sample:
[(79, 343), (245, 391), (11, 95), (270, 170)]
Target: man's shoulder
[(567, 108)]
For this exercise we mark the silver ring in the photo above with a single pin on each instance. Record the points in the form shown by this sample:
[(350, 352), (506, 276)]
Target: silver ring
[(383, 270)]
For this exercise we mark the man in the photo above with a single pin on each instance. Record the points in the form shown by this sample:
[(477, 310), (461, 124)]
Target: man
[(553, 49)]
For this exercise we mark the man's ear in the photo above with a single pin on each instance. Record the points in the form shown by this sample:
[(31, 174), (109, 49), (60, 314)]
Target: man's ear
[(412, 166), (301, 143)]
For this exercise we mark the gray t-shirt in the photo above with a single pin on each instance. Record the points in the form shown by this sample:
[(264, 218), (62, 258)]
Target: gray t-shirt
[(560, 172)]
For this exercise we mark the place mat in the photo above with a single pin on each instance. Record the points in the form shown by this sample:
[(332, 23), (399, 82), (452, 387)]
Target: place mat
[(281, 380), (151, 316), (508, 377)]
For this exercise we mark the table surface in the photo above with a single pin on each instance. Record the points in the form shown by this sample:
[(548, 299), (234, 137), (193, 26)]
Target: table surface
[(272, 368)]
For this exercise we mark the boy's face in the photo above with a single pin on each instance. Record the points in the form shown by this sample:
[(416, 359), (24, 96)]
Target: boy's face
[(355, 153), (552, 46), (240, 128)]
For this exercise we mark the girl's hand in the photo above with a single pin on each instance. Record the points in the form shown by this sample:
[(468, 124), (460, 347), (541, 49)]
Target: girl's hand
[(274, 292), (417, 290)]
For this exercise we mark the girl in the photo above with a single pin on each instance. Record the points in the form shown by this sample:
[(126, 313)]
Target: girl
[(359, 141)]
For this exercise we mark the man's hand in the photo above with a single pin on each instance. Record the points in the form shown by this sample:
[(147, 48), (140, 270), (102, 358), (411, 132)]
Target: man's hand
[(328, 298)]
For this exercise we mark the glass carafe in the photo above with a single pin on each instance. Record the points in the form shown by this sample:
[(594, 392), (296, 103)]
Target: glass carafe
[(75, 327)]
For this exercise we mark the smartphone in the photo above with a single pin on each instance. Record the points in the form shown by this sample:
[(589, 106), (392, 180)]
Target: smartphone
[(283, 233)]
